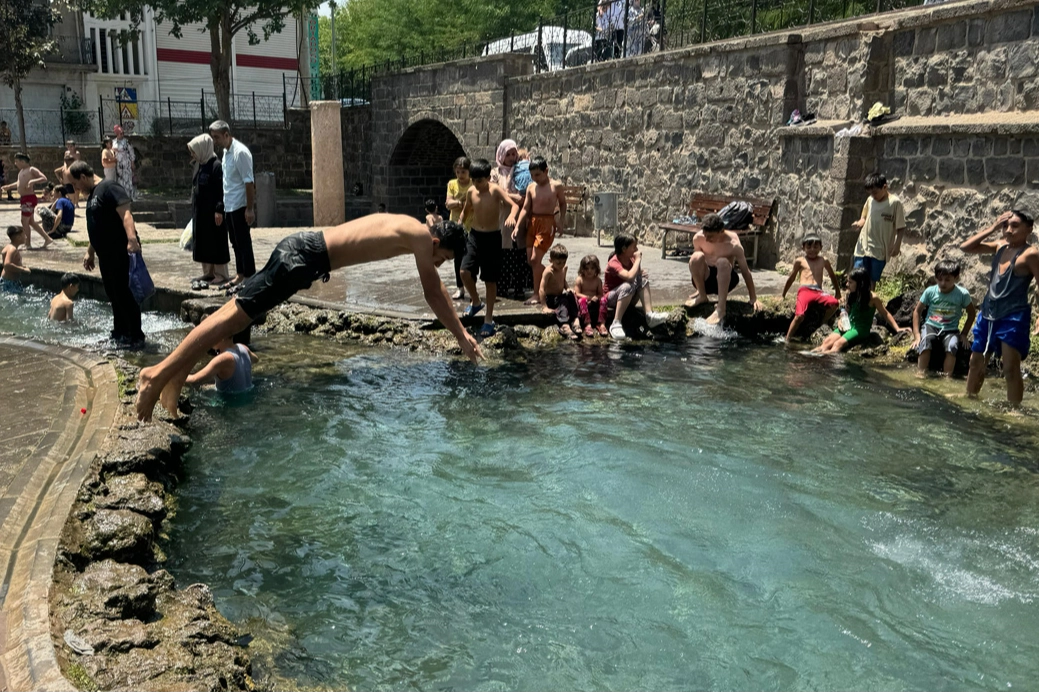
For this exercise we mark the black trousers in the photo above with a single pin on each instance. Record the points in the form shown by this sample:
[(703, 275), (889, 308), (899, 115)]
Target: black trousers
[(126, 314), (241, 241)]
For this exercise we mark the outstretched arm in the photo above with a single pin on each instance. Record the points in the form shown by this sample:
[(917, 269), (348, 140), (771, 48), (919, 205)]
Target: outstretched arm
[(886, 316), (976, 244), (436, 296), (221, 366)]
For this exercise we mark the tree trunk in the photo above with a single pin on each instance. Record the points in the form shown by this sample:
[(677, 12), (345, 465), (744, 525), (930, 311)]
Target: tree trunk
[(220, 62), (21, 115)]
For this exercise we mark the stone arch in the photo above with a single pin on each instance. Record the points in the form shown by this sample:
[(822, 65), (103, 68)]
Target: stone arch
[(421, 165)]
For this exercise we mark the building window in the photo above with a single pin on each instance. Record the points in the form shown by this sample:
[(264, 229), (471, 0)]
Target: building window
[(126, 61), (103, 46)]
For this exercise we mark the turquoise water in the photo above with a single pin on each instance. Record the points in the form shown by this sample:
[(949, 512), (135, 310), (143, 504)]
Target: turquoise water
[(694, 517), (707, 516)]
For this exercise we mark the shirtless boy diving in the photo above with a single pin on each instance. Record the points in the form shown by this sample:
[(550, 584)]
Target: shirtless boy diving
[(299, 260), (716, 254)]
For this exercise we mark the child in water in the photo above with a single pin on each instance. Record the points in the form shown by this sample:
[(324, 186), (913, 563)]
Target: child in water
[(854, 324), (590, 295), (61, 304)]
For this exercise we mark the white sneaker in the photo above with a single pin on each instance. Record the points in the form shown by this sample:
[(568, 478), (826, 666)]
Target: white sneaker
[(654, 318), (617, 332)]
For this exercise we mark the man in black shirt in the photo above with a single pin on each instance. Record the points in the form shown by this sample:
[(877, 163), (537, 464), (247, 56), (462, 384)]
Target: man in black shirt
[(113, 236)]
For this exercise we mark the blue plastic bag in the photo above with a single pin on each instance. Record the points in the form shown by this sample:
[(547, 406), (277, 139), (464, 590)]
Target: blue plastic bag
[(141, 284)]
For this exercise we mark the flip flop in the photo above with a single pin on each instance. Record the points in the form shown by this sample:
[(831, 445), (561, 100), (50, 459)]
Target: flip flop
[(472, 310), (199, 285), (487, 330), (233, 289)]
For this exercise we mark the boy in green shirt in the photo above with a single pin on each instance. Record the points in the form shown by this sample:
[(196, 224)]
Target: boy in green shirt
[(941, 306)]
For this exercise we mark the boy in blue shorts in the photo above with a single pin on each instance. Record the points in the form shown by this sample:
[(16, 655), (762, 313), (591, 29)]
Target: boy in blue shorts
[(941, 307), (880, 228), (1006, 316)]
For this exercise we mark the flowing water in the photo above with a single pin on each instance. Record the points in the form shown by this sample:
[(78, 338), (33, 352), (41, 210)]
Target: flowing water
[(702, 516)]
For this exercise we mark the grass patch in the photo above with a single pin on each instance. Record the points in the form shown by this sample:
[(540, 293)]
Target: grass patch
[(80, 678), (897, 284)]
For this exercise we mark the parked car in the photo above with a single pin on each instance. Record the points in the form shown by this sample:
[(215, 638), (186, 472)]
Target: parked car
[(550, 55)]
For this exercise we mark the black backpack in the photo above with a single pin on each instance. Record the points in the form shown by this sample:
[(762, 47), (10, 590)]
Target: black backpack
[(737, 215)]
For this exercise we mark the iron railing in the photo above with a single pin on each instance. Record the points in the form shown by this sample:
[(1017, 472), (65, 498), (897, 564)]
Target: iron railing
[(45, 127)]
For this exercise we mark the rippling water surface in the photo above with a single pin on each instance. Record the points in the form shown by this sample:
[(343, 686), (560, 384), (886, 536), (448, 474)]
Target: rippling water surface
[(694, 517)]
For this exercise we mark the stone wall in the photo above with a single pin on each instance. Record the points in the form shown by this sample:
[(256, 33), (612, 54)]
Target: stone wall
[(357, 149)]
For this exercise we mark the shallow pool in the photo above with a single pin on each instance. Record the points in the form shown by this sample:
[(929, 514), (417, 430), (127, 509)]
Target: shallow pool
[(692, 517)]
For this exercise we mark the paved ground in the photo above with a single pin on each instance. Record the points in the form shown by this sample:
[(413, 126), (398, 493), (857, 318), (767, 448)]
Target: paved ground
[(58, 405), (388, 287)]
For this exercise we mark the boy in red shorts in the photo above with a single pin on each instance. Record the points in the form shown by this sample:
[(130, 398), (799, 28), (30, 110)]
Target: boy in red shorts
[(810, 267), (28, 177)]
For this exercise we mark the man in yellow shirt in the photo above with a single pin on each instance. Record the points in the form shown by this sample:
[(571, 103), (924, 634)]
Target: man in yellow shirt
[(881, 227), (456, 190)]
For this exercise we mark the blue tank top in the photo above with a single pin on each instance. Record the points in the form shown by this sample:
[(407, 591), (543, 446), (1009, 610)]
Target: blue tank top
[(242, 379), (1007, 292)]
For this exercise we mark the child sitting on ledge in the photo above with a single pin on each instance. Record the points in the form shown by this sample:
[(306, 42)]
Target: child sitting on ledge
[(853, 327), (556, 297)]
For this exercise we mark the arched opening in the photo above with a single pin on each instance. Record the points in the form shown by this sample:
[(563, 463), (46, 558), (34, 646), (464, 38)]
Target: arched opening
[(421, 166)]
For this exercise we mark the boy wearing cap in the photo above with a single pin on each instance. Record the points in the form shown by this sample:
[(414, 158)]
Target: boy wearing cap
[(810, 266)]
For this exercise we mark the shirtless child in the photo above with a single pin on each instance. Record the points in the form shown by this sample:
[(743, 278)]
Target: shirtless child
[(716, 254), (543, 197), (61, 305), (483, 202), (556, 296), (13, 269), (28, 177), (811, 267), (299, 260)]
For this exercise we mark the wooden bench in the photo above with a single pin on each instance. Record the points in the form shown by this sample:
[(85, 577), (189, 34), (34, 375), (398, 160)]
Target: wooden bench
[(576, 199), (703, 204)]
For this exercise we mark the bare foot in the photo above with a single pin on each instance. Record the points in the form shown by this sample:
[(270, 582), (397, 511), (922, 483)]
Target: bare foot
[(170, 397), (921, 375), (715, 318), (532, 301), (147, 394), (695, 300)]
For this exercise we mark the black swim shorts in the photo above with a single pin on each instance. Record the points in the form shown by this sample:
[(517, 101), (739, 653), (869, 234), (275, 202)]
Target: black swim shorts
[(711, 285), (483, 252), (297, 262)]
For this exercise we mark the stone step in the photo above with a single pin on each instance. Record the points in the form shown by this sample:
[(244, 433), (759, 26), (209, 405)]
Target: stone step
[(151, 217), (150, 205), (163, 225)]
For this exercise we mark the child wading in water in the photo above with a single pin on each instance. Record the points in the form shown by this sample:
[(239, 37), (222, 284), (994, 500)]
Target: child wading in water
[(61, 305), (555, 295), (941, 307), (810, 267), (590, 297), (853, 327), (13, 269)]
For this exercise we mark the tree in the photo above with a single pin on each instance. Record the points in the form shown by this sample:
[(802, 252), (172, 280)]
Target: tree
[(223, 19), (25, 32)]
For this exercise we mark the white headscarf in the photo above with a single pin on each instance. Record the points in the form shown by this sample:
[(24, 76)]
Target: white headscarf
[(202, 148)]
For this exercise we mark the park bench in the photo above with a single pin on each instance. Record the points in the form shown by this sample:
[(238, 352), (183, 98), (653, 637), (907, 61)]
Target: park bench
[(703, 204)]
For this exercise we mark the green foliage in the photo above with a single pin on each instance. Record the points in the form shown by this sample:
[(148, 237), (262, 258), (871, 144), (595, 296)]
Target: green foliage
[(25, 35), (77, 120), (895, 285), (374, 31), (80, 678)]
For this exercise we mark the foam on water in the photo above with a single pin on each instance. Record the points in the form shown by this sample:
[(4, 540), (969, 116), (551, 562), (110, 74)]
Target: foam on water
[(702, 328)]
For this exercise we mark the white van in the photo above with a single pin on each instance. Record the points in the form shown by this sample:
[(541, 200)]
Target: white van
[(550, 57)]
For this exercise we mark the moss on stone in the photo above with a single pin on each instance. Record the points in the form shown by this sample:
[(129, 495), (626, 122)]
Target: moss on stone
[(80, 678)]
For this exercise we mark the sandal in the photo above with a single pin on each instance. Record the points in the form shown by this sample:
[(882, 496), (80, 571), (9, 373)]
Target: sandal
[(233, 289), (588, 331), (472, 310), (601, 329), (458, 295), (199, 285), (568, 333), (488, 329)]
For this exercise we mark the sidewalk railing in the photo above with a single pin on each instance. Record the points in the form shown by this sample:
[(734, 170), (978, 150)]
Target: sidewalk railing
[(44, 127)]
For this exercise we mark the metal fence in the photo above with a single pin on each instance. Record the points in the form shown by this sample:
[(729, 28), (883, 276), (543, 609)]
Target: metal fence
[(52, 126), (172, 118)]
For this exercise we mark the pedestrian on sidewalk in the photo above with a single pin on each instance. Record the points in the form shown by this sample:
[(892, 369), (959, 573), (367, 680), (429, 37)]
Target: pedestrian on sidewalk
[(113, 236), (207, 194), (239, 209), (126, 163)]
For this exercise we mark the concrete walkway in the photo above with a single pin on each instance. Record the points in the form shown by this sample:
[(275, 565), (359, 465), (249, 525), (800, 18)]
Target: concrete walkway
[(390, 287), (47, 443)]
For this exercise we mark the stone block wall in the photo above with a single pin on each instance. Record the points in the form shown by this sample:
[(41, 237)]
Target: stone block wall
[(46, 159), (969, 63), (357, 149)]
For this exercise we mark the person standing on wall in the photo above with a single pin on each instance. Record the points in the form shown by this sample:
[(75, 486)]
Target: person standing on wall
[(113, 235), (239, 206)]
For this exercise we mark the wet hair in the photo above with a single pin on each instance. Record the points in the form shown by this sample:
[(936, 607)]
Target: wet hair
[(811, 239), (81, 169), (589, 262), (220, 126), (481, 168), (462, 162), (947, 268), (431, 206), (538, 163), (21, 156), (451, 235), (875, 181), (1025, 217), (13, 231), (712, 223), (863, 288), (622, 241), (558, 252), (69, 279)]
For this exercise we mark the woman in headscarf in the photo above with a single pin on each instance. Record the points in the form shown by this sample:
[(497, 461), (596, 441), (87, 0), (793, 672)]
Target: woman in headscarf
[(126, 167), (515, 275), (207, 199)]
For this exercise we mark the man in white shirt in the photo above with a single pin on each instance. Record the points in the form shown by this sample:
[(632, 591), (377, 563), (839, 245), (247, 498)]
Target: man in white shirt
[(239, 207)]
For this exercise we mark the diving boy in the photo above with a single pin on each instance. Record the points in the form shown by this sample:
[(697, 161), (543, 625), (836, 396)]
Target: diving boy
[(28, 177), (483, 201), (716, 255), (544, 206), (1005, 318), (810, 267), (941, 306), (61, 304)]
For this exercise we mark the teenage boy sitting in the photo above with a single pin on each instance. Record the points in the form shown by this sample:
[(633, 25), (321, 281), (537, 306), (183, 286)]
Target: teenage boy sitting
[(716, 255)]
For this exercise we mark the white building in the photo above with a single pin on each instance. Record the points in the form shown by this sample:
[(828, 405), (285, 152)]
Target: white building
[(168, 76)]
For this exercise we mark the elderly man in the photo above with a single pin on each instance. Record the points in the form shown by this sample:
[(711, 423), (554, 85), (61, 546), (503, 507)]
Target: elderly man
[(239, 206)]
